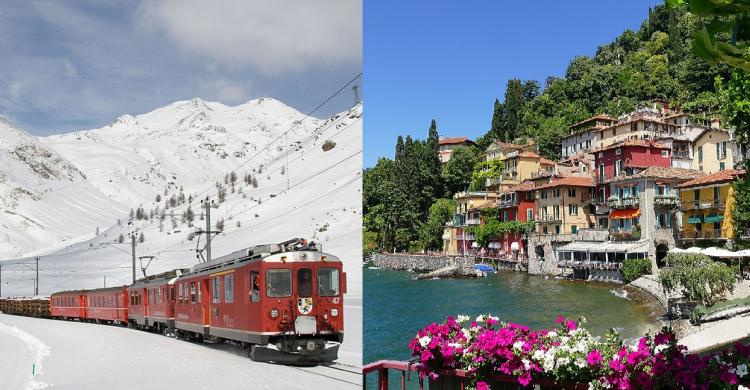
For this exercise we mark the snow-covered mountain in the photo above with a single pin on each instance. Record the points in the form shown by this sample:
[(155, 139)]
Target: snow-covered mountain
[(45, 200), (296, 177)]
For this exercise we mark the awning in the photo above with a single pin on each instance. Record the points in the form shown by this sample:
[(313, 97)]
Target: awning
[(494, 245), (623, 214), (604, 246), (714, 218), (695, 219)]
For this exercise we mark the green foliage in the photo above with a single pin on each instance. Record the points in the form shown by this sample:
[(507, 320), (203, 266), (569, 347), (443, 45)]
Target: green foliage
[(724, 37), (512, 109), (457, 172), (633, 269), (431, 232), (699, 278), (741, 210), (483, 171), (492, 227)]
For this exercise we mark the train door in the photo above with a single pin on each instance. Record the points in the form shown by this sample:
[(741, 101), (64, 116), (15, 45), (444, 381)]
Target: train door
[(207, 298), (303, 276)]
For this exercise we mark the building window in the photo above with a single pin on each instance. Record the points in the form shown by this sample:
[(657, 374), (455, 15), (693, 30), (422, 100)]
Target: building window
[(574, 229), (716, 193), (618, 167), (601, 171), (572, 209), (618, 151), (529, 214), (571, 192), (216, 289), (557, 229), (721, 166), (700, 154), (665, 153), (544, 230), (229, 288)]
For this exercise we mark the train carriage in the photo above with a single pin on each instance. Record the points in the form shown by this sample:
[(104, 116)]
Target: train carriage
[(68, 304), (152, 301), (288, 295), (107, 305)]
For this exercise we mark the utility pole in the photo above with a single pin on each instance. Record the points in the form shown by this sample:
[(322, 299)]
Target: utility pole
[(207, 204), (1, 280), (36, 283), (132, 250)]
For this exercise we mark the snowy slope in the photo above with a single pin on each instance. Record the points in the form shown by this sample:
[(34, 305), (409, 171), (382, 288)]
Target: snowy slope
[(44, 199), (304, 190), (187, 143), (81, 356)]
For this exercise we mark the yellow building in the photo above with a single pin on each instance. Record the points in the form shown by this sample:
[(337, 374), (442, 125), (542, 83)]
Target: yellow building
[(562, 205), (707, 207), (469, 206), (713, 151)]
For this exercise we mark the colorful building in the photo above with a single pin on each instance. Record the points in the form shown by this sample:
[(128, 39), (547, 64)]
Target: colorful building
[(713, 151), (645, 206), (516, 204), (469, 206), (562, 205), (706, 205), (447, 145), (585, 135)]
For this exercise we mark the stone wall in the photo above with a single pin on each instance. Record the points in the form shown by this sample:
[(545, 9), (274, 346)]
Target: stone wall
[(423, 263), (651, 285), (544, 262)]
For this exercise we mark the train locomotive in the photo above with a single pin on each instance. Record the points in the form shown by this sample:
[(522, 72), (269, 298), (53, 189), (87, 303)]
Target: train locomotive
[(284, 302)]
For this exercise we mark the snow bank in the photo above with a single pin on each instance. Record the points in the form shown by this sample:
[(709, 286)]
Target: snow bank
[(18, 374)]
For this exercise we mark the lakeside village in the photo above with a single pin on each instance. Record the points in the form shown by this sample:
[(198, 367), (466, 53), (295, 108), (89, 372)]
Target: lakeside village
[(631, 189)]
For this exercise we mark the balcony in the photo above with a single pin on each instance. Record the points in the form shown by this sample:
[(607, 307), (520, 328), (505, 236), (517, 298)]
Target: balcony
[(510, 175), (541, 173), (464, 237), (681, 154), (618, 233), (703, 204), (670, 201), (551, 218), (627, 202), (711, 234), (590, 198), (507, 203), (472, 221)]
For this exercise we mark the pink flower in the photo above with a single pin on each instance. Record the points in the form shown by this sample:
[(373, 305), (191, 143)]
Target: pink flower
[(482, 386), (571, 325), (594, 358), (560, 319), (525, 378)]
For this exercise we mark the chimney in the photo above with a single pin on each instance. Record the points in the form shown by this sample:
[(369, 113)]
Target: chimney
[(715, 123)]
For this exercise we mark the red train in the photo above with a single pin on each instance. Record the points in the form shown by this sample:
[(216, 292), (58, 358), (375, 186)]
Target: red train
[(283, 301)]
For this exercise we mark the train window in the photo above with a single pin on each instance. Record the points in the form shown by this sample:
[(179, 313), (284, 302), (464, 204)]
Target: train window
[(304, 282), (254, 287), (216, 288), (179, 293), (199, 292), (229, 288), (278, 283), (328, 282), (171, 293), (192, 292)]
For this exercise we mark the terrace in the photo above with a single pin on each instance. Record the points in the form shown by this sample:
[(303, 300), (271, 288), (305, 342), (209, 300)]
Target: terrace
[(671, 201), (624, 233), (703, 204), (626, 202), (710, 234)]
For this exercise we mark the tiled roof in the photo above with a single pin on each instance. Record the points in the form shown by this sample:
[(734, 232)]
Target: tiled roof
[(546, 161), (714, 178), (595, 117), (570, 181), (512, 145), (632, 142), (454, 140), (661, 173), (525, 186)]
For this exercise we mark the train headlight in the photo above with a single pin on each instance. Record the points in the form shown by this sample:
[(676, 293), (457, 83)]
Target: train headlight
[(335, 312), (311, 345), (274, 313)]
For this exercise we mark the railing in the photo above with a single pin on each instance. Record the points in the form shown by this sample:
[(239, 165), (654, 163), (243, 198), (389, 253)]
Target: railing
[(667, 201), (541, 173), (711, 234), (597, 265), (549, 218), (703, 204), (623, 233), (452, 379), (680, 154), (465, 237), (473, 221), (510, 175), (507, 203), (627, 202)]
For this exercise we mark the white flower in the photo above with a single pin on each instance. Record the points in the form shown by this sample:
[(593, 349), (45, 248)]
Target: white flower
[(493, 318), (479, 319), (564, 339), (526, 363), (538, 355), (462, 318), (580, 362), (742, 388), (742, 370), (466, 333), (549, 363), (660, 348), (562, 361), (423, 341), (517, 345), (552, 334)]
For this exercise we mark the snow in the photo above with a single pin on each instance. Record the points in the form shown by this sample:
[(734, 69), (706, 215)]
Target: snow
[(129, 162), (89, 356)]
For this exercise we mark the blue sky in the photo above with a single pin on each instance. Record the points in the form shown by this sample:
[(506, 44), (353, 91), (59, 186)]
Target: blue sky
[(449, 60), (79, 64)]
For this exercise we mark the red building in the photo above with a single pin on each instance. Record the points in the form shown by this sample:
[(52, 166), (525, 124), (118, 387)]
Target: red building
[(626, 158), (516, 204)]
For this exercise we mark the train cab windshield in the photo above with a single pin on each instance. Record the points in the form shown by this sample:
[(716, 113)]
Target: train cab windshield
[(304, 282), (328, 282), (279, 283)]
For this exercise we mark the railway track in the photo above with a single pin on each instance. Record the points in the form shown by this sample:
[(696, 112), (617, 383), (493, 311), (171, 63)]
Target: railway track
[(349, 376)]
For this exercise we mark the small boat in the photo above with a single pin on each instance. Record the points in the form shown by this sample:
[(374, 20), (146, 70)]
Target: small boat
[(484, 269)]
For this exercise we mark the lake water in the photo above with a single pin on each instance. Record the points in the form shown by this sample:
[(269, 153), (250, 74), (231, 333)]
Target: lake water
[(396, 306)]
